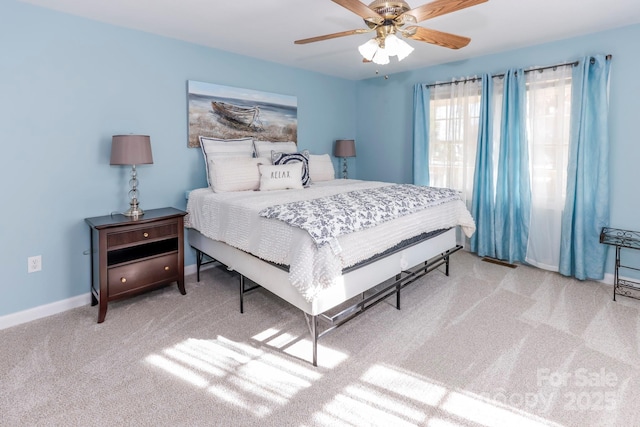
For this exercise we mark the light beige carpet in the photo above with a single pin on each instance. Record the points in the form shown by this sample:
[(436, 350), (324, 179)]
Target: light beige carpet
[(487, 346)]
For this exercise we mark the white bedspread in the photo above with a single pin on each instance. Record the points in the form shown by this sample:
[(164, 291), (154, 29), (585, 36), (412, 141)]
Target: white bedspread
[(233, 218)]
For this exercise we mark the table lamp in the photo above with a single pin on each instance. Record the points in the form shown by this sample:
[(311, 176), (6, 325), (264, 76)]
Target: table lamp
[(132, 150), (345, 148)]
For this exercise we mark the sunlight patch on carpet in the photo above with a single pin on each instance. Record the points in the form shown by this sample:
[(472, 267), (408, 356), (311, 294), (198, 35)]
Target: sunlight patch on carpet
[(386, 395), (412, 387), (237, 373), (490, 413), (178, 370), (300, 347)]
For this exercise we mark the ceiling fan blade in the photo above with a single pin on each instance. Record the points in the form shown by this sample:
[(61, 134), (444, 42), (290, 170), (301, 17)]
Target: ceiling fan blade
[(332, 36), (362, 10), (440, 7), (436, 37)]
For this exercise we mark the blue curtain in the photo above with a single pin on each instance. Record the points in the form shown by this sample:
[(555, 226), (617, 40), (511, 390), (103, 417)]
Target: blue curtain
[(421, 97), (482, 204), (513, 189), (586, 208)]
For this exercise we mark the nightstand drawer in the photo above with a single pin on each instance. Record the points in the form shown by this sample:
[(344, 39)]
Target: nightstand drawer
[(142, 234), (131, 277)]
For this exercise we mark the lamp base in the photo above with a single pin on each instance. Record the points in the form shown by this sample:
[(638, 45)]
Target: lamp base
[(134, 210)]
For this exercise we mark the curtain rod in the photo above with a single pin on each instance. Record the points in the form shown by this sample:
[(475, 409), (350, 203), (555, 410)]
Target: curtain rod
[(473, 79)]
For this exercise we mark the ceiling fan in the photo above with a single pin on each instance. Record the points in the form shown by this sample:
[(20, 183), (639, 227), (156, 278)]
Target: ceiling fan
[(388, 18)]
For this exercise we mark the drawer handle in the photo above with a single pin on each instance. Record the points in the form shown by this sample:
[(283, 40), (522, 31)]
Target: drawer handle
[(145, 235), (123, 279), (166, 268)]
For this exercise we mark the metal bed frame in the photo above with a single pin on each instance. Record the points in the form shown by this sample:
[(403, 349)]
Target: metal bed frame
[(364, 303)]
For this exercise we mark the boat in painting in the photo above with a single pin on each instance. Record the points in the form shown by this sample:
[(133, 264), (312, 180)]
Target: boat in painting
[(243, 115)]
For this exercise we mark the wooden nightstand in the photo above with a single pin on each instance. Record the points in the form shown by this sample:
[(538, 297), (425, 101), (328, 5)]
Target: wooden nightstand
[(131, 256)]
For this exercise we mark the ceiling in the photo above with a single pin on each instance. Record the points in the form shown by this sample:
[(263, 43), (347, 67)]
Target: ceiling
[(266, 29)]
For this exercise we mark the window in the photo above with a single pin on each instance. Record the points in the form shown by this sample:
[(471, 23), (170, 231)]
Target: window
[(455, 111), (454, 120)]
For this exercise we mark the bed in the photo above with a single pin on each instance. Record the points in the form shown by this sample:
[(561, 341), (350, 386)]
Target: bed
[(256, 230)]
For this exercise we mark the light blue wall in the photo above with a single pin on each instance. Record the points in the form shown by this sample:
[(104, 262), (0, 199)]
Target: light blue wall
[(385, 109), (67, 85)]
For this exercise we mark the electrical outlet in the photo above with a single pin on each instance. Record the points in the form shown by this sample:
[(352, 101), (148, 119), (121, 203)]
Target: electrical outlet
[(34, 263)]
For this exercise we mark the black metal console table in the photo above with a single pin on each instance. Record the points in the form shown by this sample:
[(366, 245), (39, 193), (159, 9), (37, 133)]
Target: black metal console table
[(622, 239)]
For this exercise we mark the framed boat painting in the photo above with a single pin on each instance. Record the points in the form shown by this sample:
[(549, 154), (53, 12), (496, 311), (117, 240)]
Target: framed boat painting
[(228, 112)]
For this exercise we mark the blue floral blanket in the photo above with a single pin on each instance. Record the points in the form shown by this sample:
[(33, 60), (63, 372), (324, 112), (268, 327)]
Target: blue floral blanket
[(327, 218)]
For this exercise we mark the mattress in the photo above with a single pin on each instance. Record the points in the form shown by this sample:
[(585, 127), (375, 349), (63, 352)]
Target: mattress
[(233, 218)]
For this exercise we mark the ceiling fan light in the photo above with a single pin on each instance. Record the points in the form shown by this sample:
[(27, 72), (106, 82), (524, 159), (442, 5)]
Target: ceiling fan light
[(392, 44), (368, 50), (381, 57), (404, 49)]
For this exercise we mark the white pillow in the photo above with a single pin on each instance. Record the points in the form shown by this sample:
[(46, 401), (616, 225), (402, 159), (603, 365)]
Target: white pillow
[(281, 177), (264, 148), (234, 173), (278, 158), (321, 168), (216, 147)]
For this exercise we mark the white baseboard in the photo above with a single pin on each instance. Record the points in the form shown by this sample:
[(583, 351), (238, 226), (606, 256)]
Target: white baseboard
[(39, 312), (59, 306), (191, 269), (44, 310)]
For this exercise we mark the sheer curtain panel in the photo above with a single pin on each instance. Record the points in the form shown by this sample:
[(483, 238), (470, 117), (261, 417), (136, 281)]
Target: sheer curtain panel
[(548, 120), (453, 135)]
